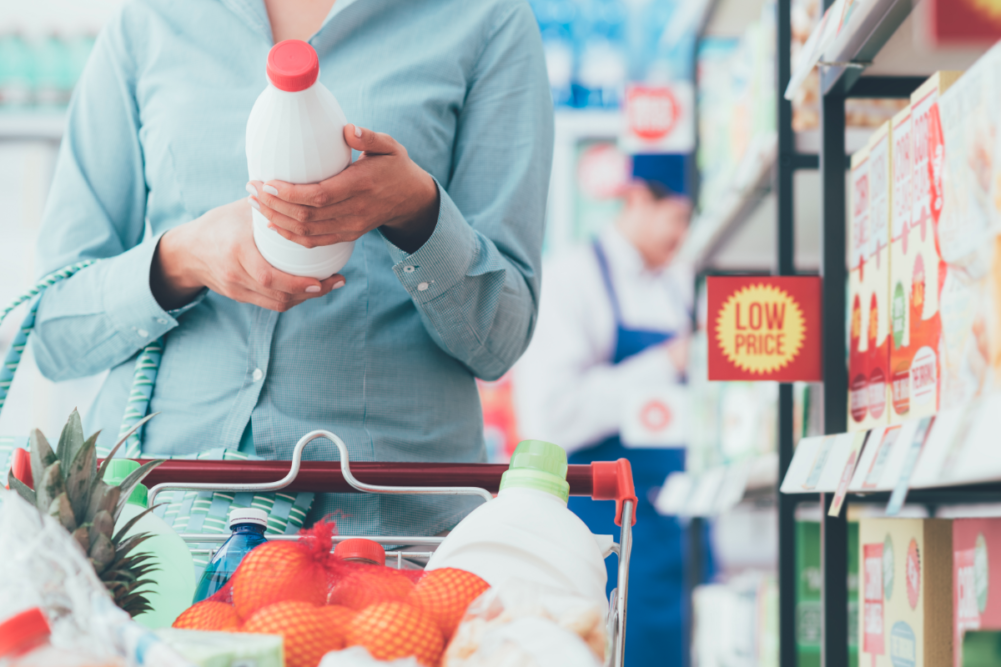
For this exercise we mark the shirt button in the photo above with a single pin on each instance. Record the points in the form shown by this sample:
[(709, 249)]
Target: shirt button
[(161, 321), (422, 287), (408, 269), (143, 333), (258, 374)]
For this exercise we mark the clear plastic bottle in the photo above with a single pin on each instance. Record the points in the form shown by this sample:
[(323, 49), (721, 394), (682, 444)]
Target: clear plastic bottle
[(24, 642), (248, 533)]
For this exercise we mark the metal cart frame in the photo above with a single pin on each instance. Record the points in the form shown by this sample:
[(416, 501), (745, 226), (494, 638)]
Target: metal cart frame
[(610, 480)]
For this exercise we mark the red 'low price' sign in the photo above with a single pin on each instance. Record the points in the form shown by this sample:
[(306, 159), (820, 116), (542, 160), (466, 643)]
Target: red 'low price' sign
[(764, 328)]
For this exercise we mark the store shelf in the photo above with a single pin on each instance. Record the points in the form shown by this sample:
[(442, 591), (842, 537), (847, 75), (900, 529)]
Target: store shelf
[(870, 27), (720, 489), (32, 126), (752, 181)]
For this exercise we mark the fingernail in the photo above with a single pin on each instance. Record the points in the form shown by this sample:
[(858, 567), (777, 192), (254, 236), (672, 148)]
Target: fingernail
[(272, 227), (251, 189), (253, 202), (339, 284), (313, 289), (271, 190), (357, 131)]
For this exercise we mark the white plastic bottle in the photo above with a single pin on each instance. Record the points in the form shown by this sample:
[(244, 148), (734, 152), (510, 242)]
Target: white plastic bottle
[(527, 532), (175, 575), (296, 134)]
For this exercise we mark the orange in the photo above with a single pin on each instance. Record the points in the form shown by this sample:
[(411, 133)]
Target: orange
[(208, 615), (391, 630), (337, 616), (306, 632), (364, 585), (445, 594), (278, 572)]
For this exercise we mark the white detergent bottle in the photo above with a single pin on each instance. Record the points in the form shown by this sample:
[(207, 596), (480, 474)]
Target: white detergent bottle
[(296, 134), (527, 532), (174, 577)]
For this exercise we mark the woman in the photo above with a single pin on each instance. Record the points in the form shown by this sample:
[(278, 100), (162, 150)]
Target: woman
[(453, 119)]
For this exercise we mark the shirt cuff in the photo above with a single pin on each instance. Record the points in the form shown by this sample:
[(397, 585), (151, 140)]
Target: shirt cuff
[(444, 258), (129, 302)]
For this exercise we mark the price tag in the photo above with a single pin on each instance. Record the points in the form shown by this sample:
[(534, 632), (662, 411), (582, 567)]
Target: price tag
[(656, 417), (858, 442), (913, 452)]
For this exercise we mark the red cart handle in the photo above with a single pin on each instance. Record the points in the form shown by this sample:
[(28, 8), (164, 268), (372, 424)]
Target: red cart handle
[(613, 480)]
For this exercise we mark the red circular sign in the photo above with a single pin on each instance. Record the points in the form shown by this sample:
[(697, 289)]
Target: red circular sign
[(656, 416), (653, 112)]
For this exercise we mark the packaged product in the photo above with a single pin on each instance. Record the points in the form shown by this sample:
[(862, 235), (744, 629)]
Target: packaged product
[(224, 649), (916, 267), (808, 589), (976, 558), (969, 112), (858, 245), (906, 592), (876, 277)]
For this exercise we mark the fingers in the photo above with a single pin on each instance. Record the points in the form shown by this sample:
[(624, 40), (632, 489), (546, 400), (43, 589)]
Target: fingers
[(367, 141), (306, 234), (277, 286)]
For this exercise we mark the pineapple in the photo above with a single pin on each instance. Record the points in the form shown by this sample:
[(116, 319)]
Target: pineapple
[(70, 488)]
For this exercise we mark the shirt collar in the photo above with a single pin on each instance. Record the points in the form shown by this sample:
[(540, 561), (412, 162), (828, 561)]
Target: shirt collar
[(255, 14)]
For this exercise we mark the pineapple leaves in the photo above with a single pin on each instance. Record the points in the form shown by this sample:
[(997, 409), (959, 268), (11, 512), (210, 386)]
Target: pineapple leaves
[(42, 455), (120, 533), (22, 489), (49, 486), (103, 524), (103, 498), (129, 484), (121, 441), (61, 510), (70, 440), (102, 553), (80, 476)]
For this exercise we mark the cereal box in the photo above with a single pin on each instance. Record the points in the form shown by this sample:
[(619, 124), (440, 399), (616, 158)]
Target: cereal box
[(876, 277), (859, 233), (976, 560), (906, 592)]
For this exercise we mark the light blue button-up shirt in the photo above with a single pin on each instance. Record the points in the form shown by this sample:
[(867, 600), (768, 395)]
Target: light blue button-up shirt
[(156, 135)]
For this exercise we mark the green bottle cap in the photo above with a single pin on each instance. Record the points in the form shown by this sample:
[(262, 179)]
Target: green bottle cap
[(116, 473), (539, 465)]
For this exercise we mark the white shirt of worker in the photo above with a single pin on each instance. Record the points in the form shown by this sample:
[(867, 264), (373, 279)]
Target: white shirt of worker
[(566, 389)]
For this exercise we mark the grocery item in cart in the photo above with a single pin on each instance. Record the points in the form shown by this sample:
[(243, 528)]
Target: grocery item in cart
[(174, 582), (528, 533), (360, 550), (247, 526), (25, 642), (224, 649), (295, 134)]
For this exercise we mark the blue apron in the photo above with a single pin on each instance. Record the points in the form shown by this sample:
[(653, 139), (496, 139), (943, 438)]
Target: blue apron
[(656, 626)]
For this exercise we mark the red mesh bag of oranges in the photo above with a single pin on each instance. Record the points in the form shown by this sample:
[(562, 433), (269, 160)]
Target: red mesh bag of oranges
[(320, 601)]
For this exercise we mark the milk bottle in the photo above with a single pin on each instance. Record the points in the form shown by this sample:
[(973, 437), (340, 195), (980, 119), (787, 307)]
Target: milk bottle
[(528, 533), (296, 134)]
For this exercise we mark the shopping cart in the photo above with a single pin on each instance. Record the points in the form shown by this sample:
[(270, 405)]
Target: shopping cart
[(611, 480)]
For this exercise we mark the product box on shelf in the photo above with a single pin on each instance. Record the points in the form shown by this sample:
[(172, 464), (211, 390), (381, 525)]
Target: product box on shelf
[(906, 592), (969, 114), (876, 282), (976, 558), (808, 588), (916, 269), (859, 232)]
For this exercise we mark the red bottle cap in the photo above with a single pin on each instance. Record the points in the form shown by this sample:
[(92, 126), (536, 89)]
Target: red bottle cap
[(359, 549), (20, 466), (25, 630), (293, 65)]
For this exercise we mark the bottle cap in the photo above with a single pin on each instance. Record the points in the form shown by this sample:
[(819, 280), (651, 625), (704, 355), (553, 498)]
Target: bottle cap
[(293, 65), (539, 465), (116, 473), (359, 549), (256, 517), (24, 629)]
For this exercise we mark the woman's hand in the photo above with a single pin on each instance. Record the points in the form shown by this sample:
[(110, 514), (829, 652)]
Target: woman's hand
[(383, 189), (217, 251)]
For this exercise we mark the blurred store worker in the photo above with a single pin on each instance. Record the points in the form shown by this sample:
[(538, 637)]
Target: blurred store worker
[(615, 317), (452, 130)]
